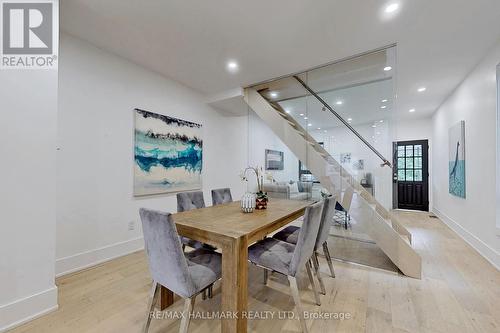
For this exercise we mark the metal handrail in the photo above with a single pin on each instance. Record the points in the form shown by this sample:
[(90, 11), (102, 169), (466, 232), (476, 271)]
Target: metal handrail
[(326, 105)]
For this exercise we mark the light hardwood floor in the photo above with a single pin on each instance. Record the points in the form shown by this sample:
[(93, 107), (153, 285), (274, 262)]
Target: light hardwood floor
[(459, 292)]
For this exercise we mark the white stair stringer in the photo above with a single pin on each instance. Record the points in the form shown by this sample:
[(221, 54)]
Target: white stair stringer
[(383, 226)]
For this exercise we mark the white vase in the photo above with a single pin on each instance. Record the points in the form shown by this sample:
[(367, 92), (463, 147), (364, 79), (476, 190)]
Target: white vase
[(248, 202)]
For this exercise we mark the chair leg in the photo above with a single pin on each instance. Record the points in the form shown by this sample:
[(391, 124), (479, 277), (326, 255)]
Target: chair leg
[(345, 219), (328, 258), (153, 298), (298, 304), (318, 274), (266, 275), (186, 315), (313, 283)]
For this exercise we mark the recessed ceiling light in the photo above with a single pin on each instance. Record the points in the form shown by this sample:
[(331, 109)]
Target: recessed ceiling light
[(381, 121), (387, 68), (374, 125), (411, 110), (422, 89), (273, 94), (232, 66), (384, 101), (391, 8), (309, 124), (301, 114), (305, 118), (319, 128), (349, 119), (339, 103), (383, 106)]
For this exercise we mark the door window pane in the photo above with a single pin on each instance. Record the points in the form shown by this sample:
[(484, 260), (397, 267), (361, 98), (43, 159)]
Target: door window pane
[(409, 151), (418, 150), (418, 163), (401, 163), (401, 151), (409, 175), (418, 175), (401, 175), (409, 163)]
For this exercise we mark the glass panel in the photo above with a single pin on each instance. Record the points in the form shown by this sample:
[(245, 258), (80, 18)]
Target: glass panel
[(361, 93), (409, 162), (418, 150), (409, 175), (418, 162), (409, 151), (401, 163), (418, 175)]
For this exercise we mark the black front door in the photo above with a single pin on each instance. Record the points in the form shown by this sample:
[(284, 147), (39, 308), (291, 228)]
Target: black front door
[(411, 174)]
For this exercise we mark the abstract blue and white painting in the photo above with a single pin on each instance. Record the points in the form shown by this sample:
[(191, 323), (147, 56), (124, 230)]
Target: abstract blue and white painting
[(456, 167), (168, 154)]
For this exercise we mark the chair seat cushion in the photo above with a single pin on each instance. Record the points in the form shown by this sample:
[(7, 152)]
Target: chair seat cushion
[(272, 254), (205, 267), (290, 234)]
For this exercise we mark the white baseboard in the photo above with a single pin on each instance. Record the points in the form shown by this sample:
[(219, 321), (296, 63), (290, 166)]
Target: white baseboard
[(484, 250), (91, 258), (28, 308)]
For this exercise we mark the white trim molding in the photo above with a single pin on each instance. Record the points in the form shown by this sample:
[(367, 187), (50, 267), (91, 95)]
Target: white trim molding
[(97, 256), (26, 309), (482, 248)]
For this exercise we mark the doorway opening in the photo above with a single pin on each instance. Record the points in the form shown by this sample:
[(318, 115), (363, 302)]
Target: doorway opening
[(411, 175)]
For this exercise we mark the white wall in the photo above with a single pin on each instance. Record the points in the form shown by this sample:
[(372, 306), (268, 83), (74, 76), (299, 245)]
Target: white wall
[(261, 137), (28, 104), (97, 94), (417, 129), (475, 102)]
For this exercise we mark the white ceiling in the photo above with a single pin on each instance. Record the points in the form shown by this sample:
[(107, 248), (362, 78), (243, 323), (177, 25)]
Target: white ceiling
[(439, 41)]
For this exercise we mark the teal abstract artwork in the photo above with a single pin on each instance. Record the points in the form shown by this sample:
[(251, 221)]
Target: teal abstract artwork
[(167, 154), (456, 166)]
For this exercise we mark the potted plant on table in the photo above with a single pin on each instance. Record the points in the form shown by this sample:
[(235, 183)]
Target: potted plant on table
[(261, 199)]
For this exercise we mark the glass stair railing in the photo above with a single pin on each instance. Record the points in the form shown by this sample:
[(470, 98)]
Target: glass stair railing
[(337, 120)]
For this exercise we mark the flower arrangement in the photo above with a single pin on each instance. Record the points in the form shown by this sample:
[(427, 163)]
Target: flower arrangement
[(261, 196)]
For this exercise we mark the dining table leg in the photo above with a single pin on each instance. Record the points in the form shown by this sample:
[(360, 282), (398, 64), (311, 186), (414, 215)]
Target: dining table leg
[(234, 300), (166, 298)]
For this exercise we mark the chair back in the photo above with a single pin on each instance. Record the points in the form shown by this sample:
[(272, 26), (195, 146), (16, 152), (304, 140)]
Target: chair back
[(306, 239), (347, 198), (190, 200), (167, 262), (221, 196), (326, 218)]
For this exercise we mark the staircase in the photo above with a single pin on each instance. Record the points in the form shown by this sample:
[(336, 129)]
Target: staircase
[(383, 226)]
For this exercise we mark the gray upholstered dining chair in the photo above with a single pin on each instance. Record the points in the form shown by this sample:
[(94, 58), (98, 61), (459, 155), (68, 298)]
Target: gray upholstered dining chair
[(291, 233), (188, 201), (285, 258), (184, 274), (221, 196)]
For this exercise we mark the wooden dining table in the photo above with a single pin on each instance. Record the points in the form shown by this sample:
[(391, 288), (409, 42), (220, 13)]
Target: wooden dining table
[(229, 229)]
